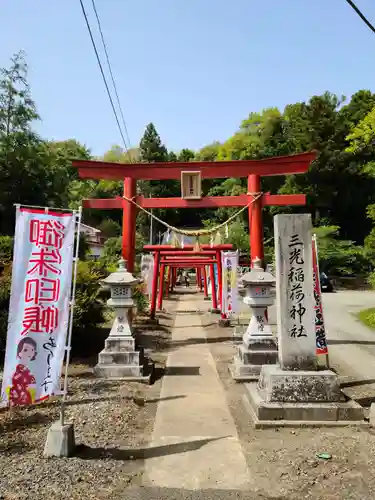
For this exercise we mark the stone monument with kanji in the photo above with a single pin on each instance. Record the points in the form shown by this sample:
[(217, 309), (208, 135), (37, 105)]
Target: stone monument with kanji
[(296, 390)]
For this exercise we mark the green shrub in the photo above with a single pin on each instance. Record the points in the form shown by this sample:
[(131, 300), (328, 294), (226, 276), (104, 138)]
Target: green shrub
[(111, 252), (339, 257), (89, 307), (5, 286), (371, 279), (140, 298), (367, 316), (6, 249)]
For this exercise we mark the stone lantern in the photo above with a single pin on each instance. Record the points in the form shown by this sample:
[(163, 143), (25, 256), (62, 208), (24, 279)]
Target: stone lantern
[(120, 358), (259, 346)]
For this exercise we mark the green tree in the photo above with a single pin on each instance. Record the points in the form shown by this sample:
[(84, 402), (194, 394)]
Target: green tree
[(361, 146), (58, 156), (323, 124), (186, 155), (152, 150), (209, 152), (116, 154), (23, 178), (110, 228), (338, 257)]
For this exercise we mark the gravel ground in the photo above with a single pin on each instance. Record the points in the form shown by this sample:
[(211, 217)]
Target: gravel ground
[(113, 423), (283, 462)]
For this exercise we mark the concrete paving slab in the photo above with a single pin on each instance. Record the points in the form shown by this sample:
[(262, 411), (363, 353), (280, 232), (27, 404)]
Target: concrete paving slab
[(205, 451)]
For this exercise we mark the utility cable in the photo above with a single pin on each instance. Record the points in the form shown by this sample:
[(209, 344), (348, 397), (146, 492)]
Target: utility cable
[(111, 73), (361, 15), (103, 75)]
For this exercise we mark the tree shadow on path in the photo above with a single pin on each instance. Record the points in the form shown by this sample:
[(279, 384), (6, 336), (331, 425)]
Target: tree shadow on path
[(89, 453)]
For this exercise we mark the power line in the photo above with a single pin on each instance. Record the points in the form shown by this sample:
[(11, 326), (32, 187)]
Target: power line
[(110, 71), (361, 15), (103, 75)]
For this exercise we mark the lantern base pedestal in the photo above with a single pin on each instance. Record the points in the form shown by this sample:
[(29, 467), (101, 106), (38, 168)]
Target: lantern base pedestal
[(224, 322), (299, 398), (120, 359), (251, 356), (152, 321), (238, 332)]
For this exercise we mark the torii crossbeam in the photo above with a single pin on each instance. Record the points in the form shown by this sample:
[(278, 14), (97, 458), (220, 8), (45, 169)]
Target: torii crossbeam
[(252, 169)]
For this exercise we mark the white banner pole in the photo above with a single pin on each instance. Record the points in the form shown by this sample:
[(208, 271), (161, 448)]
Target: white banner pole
[(71, 313)]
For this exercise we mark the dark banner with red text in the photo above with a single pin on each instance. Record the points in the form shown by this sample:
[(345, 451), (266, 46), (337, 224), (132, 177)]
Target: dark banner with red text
[(321, 340)]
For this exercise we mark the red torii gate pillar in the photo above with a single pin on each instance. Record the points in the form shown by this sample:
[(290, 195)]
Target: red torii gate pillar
[(255, 220), (129, 222)]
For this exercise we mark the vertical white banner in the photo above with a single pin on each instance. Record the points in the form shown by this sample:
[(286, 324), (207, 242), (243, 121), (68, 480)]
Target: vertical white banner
[(39, 305), (229, 282), (147, 272), (209, 284)]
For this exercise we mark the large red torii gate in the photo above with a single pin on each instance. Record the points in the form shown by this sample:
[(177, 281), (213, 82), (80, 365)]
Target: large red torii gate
[(252, 169)]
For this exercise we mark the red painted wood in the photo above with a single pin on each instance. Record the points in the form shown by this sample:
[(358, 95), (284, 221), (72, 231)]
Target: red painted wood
[(159, 248), (191, 263), (128, 224), (255, 220), (161, 286), (177, 252), (206, 202), (188, 258), (282, 165), (187, 265), (155, 279)]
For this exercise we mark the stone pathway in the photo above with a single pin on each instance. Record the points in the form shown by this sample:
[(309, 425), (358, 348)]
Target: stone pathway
[(200, 448)]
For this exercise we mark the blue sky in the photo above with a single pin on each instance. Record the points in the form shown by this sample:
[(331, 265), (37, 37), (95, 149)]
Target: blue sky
[(195, 68)]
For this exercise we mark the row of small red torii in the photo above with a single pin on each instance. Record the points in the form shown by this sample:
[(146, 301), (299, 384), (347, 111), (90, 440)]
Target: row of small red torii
[(252, 169), (165, 257)]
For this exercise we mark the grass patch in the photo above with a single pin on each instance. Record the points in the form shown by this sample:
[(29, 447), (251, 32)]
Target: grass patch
[(367, 317)]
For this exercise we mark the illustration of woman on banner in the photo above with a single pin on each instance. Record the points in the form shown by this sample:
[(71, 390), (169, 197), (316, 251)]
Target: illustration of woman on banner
[(21, 392)]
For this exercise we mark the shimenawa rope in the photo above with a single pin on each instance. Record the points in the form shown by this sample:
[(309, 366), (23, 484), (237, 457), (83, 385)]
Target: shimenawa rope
[(198, 232)]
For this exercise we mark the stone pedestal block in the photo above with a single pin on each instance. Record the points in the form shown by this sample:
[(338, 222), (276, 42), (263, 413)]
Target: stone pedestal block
[(120, 359), (300, 398), (60, 440), (152, 321), (277, 385), (251, 356), (238, 332)]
